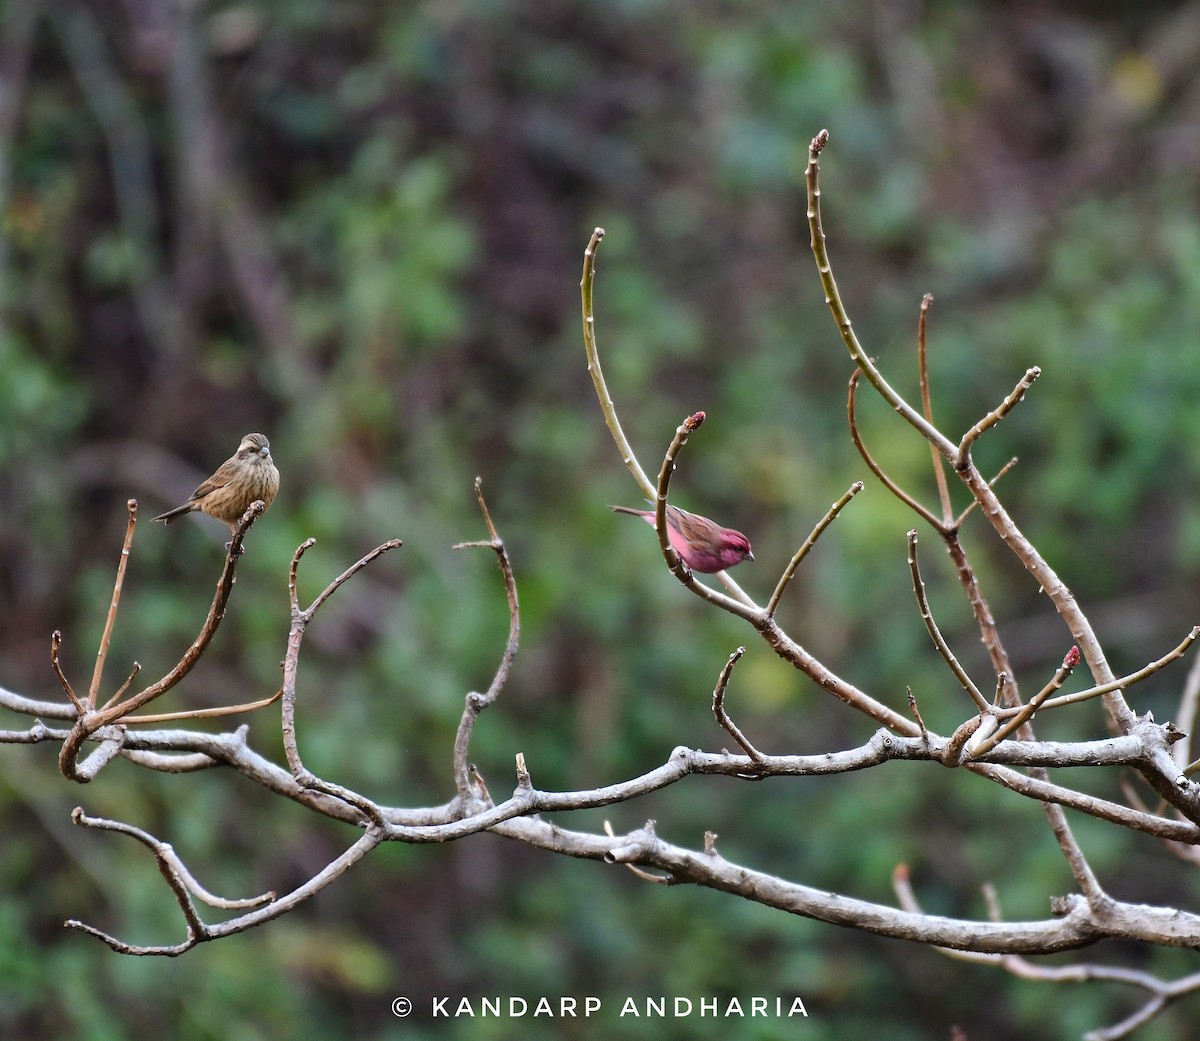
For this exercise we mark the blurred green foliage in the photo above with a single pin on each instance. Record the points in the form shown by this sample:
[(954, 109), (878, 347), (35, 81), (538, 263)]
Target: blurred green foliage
[(374, 258)]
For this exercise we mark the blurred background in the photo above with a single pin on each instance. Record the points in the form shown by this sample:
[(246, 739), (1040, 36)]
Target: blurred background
[(358, 228)]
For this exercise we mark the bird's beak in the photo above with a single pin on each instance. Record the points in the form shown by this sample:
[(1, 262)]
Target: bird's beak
[(749, 554)]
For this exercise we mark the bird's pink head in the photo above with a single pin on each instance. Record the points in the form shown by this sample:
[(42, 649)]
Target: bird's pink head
[(712, 548), (733, 548)]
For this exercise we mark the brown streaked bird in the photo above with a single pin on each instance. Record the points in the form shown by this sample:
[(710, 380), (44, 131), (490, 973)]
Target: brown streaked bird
[(247, 475)]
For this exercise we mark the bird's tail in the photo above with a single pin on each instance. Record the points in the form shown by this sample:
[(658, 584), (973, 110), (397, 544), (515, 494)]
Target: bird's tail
[(170, 515)]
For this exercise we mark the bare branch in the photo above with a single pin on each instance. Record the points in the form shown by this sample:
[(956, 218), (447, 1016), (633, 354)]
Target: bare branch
[(935, 633), (1160, 770), (1162, 992), (94, 720), (475, 702), (994, 417), (586, 286), (718, 707), (123, 689), (1127, 681), (1189, 703), (102, 652), (939, 469), (961, 519), (346, 575), (265, 908), (205, 713), (802, 552), (875, 468), (1076, 925), (55, 644), (833, 298), (1026, 713), (291, 664)]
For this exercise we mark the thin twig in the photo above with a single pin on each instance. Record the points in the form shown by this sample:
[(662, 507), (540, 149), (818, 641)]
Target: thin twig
[(55, 644), (205, 713), (291, 665), (102, 651), (349, 573), (962, 517), (833, 299), (674, 561), (586, 285), (718, 707), (802, 552), (123, 689), (197, 930), (1126, 681), (994, 417), (1026, 712), (875, 468), (934, 633), (208, 630), (1189, 703), (939, 470), (912, 707), (476, 702)]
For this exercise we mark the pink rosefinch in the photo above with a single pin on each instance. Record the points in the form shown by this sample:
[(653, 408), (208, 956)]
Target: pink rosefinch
[(703, 545), (245, 476)]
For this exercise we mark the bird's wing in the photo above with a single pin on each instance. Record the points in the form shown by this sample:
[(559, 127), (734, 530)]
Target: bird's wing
[(220, 479)]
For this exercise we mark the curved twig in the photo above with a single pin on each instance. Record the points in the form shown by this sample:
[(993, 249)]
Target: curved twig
[(1024, 714), (718, 707), (265, 908), (935, 633), (992, 418), (790, 571), (291, 664), (55, 646), (875, 468), (476, 702), (586, 286)]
